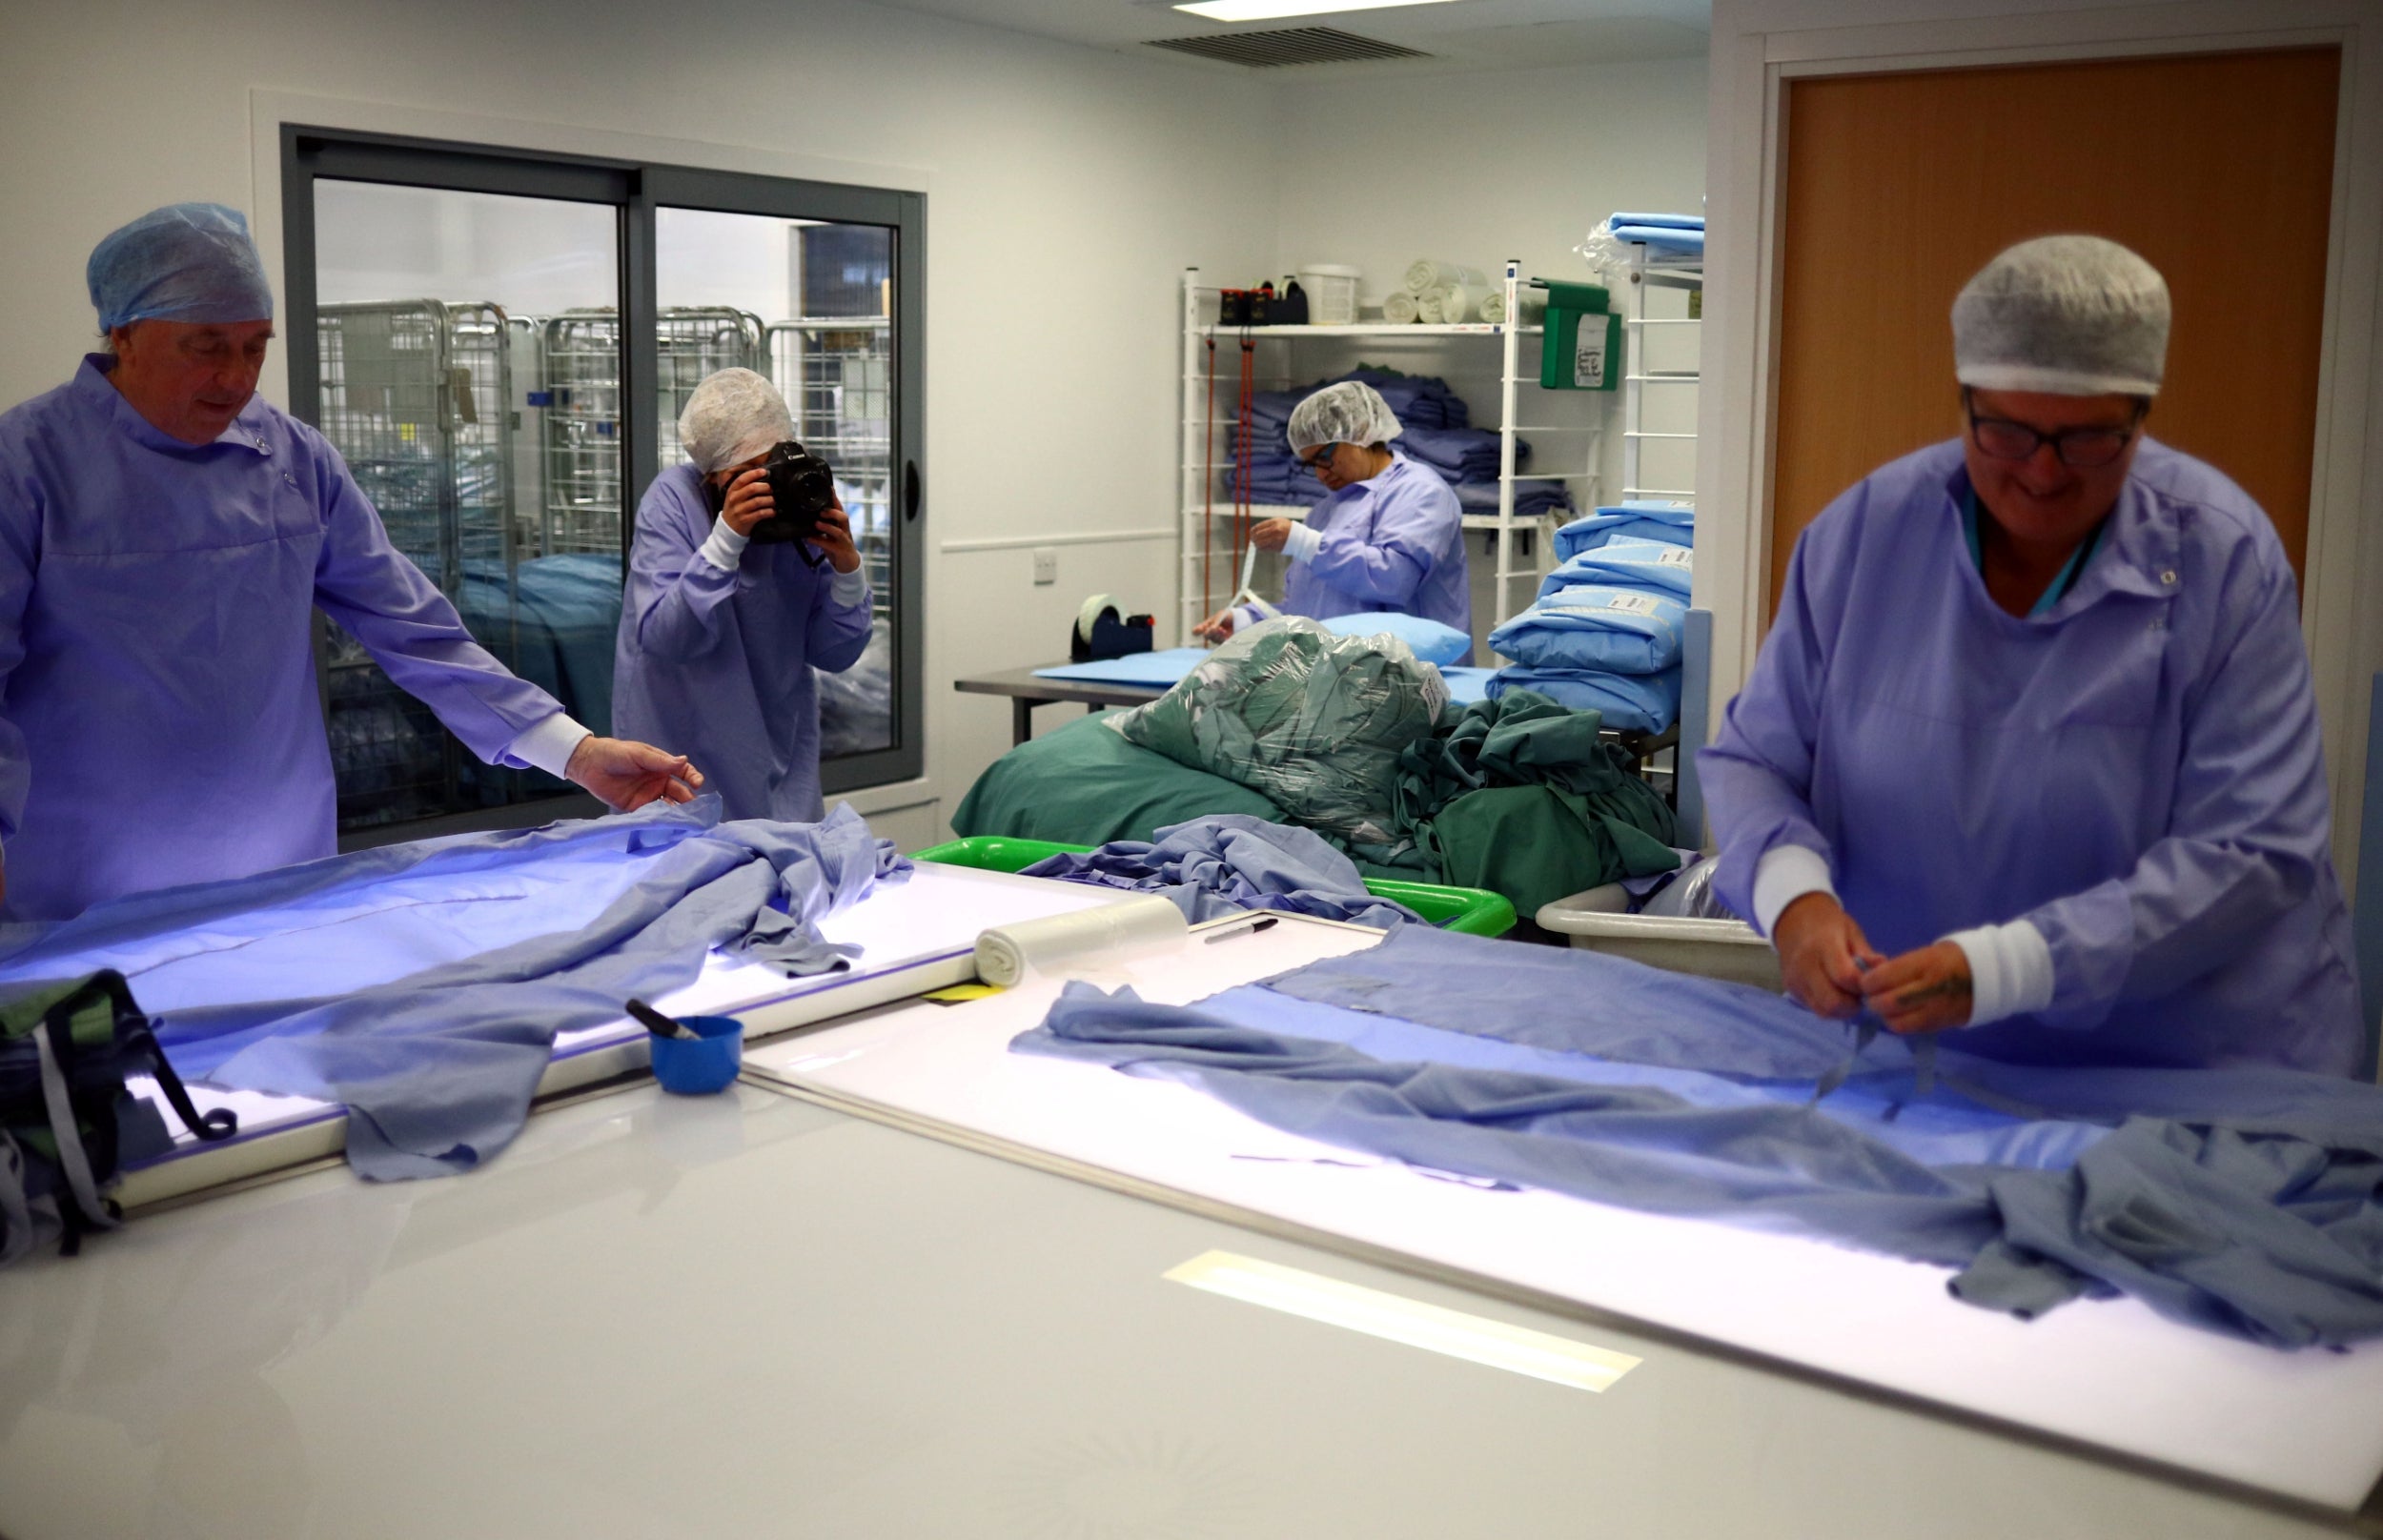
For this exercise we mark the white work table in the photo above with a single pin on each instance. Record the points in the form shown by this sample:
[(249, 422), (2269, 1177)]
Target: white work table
[(752, 1314)]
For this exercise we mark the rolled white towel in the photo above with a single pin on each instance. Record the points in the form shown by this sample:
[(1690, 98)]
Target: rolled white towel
[(1492, 307), (1399, 309), (1427, 308), (1144, 923), (1426, 274), (1460, 302)]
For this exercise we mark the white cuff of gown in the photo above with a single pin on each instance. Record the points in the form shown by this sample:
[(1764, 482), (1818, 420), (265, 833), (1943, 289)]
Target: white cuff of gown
[(724, 548), (1785, 874), (848, 590), (1302, 543), (548, 743), (2010, 970)]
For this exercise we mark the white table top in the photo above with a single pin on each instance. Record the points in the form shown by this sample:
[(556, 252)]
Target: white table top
[(2110, 1373)]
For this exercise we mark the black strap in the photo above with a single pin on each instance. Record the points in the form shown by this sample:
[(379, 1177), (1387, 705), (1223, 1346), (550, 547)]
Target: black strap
[(133, 1033)]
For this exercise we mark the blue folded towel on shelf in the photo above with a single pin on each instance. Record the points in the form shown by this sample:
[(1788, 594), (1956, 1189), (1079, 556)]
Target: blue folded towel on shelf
[(1657, 222), (1597, 630), (1532, 498), (1629, 562), (1672, 522)]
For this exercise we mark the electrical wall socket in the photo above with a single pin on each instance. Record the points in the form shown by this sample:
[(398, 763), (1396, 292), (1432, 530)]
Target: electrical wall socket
[(1046, 565)]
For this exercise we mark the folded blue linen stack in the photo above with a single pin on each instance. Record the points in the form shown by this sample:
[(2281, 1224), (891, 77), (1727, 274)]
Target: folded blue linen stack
[(1664, 235), (1606, 631)]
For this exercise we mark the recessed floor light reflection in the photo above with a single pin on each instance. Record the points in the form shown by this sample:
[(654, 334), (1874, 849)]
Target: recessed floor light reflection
[(1395, 1318)]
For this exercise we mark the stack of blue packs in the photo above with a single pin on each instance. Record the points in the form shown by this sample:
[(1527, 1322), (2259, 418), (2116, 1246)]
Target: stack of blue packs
[(1606, 631)]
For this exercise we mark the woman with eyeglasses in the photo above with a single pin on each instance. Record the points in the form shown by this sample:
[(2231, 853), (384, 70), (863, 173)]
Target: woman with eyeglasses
[(1390, 537), (2032, 748)]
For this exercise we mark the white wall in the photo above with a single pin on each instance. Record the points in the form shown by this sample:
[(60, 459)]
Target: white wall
[(1067, 187)]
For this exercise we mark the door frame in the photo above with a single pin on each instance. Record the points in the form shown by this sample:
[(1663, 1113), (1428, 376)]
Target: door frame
[(1759, 46)]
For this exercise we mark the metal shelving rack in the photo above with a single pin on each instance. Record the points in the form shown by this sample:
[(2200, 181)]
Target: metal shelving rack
[(1645, 274), (1207, 504), (417, 397), (836, 372)]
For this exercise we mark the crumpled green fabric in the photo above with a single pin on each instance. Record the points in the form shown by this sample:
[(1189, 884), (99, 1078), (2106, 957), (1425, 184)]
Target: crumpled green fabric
[(1315, 722), (1521, 796)]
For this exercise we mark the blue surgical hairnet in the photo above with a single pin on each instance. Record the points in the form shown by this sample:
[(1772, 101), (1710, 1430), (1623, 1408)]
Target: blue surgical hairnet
[(731, 417), (184, 262), (2062, 315), (1349, 412)]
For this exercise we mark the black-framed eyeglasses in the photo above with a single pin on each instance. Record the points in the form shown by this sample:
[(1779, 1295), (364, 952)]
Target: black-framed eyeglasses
[(1322, 456), (2082, 449)]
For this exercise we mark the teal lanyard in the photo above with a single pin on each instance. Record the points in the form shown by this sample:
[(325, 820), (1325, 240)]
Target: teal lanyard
[(2060, 584)]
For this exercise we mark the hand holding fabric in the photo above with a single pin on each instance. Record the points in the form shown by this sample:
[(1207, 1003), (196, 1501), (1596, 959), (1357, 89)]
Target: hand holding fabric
[(1927, 989), (626, 775), (1821, 955), (1271, 535), (1217, 627)]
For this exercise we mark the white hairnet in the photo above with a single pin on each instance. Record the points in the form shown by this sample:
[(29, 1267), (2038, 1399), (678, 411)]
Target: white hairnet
[(2062, 315), (184, 262), (732, 417), (1349, 412)]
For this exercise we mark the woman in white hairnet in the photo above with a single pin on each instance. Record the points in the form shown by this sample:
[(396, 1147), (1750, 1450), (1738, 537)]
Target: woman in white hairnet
[(1390, 536), (2031, 749), (719, 633)]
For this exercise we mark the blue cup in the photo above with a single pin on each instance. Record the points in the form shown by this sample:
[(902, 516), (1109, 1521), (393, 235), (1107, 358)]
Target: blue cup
[(703, 1064)]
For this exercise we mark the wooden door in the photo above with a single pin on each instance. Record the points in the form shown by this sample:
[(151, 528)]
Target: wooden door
[(2217, 168)]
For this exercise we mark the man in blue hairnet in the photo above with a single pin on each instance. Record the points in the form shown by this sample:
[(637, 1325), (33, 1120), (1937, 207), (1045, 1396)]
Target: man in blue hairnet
[(2032, 748), (164, 536)]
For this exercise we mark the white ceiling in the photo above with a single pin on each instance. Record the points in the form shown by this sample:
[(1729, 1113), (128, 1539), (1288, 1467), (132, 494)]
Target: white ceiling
[(1462, 34)]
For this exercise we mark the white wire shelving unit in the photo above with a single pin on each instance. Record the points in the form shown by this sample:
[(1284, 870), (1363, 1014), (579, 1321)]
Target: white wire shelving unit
[(1654, 388), (1522, 541)]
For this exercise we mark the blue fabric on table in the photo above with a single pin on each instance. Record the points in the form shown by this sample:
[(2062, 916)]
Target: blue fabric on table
[(1433, 641), (2246, 1202), (1466, 686), (1229, 862), (1162, 669), (1645, 521), (1657, 221), (1628, 562), (1597, 630), (1632, 702), (422, 985)]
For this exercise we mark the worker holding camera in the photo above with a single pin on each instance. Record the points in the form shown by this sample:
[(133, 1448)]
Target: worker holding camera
[(742, 578)]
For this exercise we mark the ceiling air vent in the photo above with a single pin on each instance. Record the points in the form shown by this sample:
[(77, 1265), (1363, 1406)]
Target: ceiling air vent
[(1288, 45)]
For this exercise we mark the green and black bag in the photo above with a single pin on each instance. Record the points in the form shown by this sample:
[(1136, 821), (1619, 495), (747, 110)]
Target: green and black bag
[(68, 1123)]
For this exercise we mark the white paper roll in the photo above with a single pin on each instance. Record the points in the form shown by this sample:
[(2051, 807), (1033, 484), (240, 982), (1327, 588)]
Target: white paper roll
[(1398, 309), (1426, 274), (1144, 923)]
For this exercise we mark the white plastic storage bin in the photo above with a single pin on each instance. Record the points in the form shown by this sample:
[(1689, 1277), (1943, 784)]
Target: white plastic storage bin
[(1332, 291), (1711, 948)]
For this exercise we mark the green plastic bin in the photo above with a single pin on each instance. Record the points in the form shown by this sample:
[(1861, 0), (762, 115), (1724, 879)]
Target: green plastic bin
[(1474, 911), (1582, 349)]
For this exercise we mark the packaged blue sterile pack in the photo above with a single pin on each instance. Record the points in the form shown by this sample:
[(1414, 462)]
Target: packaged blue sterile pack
[(1430, 641), (1597, 629), (1672, 523), (1629, 562)]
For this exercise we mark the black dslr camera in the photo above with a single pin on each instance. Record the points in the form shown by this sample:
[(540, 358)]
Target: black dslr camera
[(801, 488)]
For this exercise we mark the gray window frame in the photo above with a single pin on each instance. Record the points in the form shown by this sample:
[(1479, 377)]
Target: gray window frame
[(636, 189)]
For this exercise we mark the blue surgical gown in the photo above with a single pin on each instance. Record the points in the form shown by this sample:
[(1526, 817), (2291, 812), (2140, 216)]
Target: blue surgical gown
[(718, 664), (159, 719), (2135, 772), (1394, 542)]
